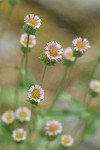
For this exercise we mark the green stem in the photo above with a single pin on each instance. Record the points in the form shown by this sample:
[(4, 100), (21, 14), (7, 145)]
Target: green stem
[(17, 146), (6, 22), (47, 145), (16, 101), (26, 61), (64, 80), (89, 79), (43, 75), (22, 61), (34, 113), (87, 99)]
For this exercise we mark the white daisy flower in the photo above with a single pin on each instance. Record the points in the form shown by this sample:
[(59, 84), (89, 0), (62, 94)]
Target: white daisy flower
[(67, 140), (33, 21), (36, 93), (68, 54), (23, 114), (53, 128), (54, 51), (8, 117), (32, 40), (95, 86), (19, 134), (81, 44)]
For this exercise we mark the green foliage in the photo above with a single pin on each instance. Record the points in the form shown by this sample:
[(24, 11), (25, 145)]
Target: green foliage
[(75, 106)]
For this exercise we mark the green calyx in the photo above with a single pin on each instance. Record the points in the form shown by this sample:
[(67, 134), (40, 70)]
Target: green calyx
[(25, 49), (93, 94), (68, 63), (77, 53), (33, 102), (29, 30), (47, 61)]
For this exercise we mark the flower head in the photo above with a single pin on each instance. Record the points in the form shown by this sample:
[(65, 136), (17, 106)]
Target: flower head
[(19, 135), (81, 45), (36, 93), (23, 114), (8, 117), (54, 51), (67, 140), (95, 86), (53, 128), (68, 54), (33, 21), (32, 40)]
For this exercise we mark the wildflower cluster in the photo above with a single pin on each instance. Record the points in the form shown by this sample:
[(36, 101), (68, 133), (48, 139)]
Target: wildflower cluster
[(22, 114), (53, 129), (52, 54), (28, 39)]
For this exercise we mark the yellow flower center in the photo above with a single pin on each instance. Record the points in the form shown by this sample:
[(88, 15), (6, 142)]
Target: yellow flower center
[(35, 94), (23, 114), (96, 87), (29, 42), (53, 51), (19, 135), (9, 116), (32, 21), (80, 45), (53, 128), (70, 54), (66, 141)]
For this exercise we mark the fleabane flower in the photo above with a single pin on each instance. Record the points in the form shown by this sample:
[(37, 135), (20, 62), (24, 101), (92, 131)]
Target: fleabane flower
[(68, 54), (81, 45), (23, 114), (8, 117), (53, 128), (95, 86), (24, 38), (36, 93), (54, 51), (19, 135), (33, 21), (67, 140)]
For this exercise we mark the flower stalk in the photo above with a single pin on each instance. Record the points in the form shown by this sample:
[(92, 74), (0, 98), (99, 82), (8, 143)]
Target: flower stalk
[(26, 61), (43, 75), (63, 82)]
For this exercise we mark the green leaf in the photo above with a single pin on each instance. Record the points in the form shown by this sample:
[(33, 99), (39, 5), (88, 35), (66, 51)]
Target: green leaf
[(91, 128), (75, 106)]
